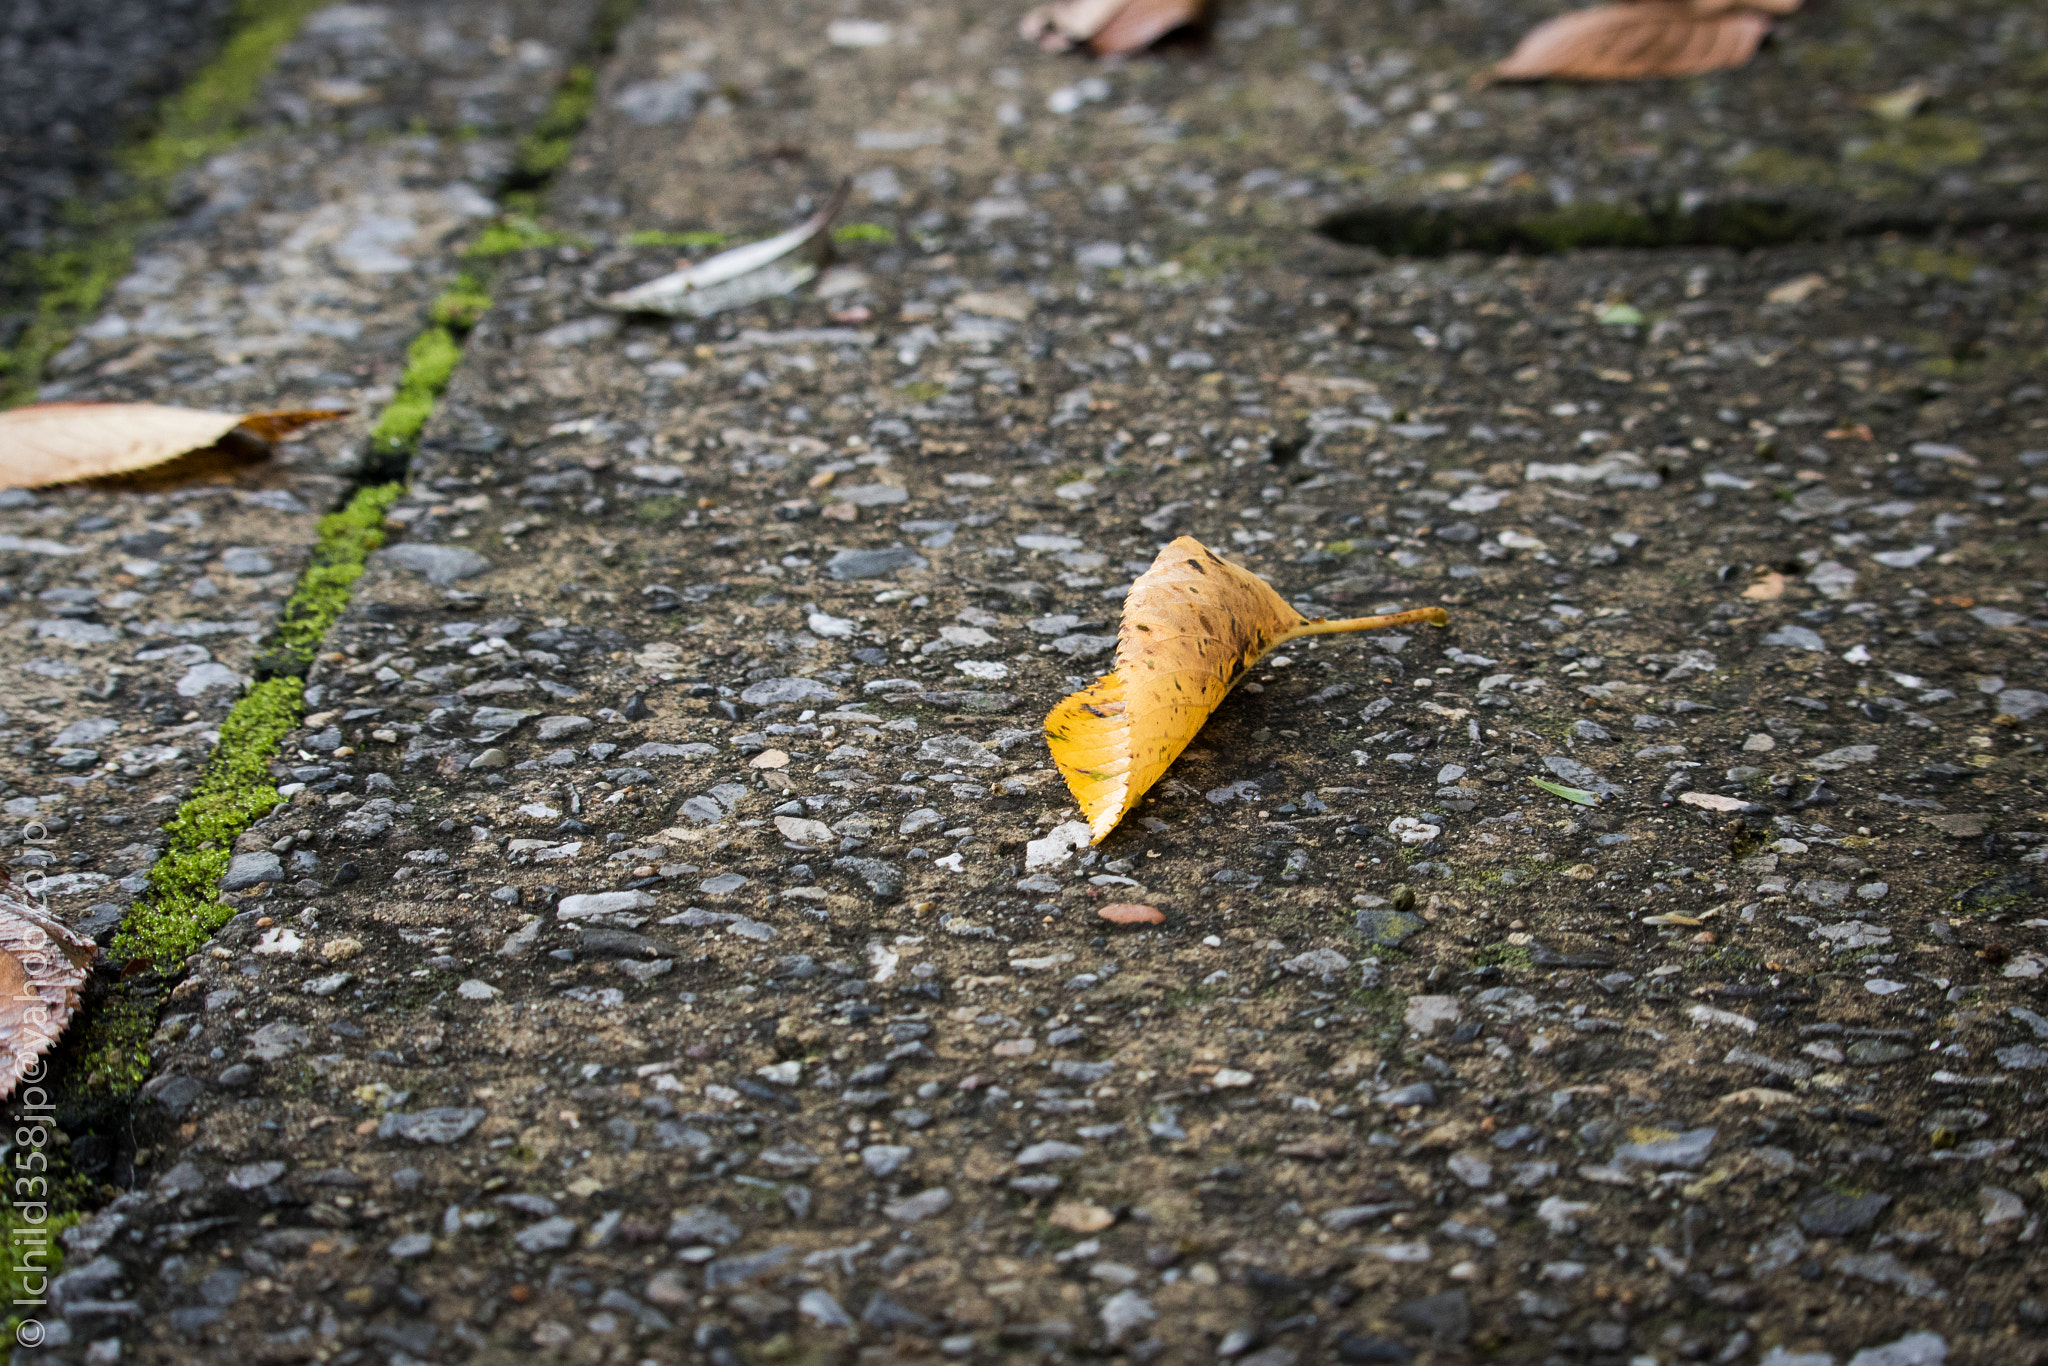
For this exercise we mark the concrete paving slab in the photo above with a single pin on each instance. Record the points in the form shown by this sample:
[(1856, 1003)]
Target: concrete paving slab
[(697, 968)]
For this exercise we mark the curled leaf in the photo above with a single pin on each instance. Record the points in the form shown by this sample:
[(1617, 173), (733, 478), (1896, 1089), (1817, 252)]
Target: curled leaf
[(744, 275), (1570, 794), (1193, 626), (42, 966), (1108, 27), (57, 443), (1657, 39)]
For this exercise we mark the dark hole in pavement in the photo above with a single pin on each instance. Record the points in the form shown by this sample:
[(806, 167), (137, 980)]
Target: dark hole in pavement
[(1743, 224)]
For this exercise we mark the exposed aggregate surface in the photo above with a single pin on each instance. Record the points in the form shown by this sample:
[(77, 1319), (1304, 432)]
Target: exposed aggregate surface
[(675, 945)]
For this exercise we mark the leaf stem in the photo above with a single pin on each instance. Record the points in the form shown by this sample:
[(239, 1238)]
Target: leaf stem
[(1435, 616)]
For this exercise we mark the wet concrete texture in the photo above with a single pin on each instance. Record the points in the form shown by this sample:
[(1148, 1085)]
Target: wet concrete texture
[(671, 947)]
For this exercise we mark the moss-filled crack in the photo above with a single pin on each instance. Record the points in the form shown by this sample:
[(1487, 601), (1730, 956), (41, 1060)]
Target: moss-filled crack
[(61, 285), (101, 1064), (98, 1070)]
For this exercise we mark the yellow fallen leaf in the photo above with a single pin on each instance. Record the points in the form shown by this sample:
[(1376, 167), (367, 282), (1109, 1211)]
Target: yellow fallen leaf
[(56, 443), (43, 964), (1193, 627)]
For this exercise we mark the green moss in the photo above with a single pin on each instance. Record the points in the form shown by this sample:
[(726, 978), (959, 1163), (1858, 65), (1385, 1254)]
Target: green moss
[(112, 1059), (863, 232), (922, 391), (1925, 145), (660, 508), (545, 148), (41, 1201), (180, 911), (346, 539), (429, 364), (654, 237), (462, 305), (1776, 167), (1503, 955), (62, 285), (515, 232), (206, 115)]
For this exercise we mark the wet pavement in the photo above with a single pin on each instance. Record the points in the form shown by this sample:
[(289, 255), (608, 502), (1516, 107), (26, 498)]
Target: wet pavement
[(674, 944)]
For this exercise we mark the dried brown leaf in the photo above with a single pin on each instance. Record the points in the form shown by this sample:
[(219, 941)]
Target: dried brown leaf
[(1650, 40), (1067, 23), (58, 443), (1108, 27), (42, 966), (1141, 23)]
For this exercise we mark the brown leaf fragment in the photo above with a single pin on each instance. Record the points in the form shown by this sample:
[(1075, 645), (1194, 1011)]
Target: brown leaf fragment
[(1141, 23), (59, 443), (1653, 40), (1108, 27), (42, 966)]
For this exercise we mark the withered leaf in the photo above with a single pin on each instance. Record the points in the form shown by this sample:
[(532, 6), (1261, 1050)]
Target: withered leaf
[(1193, 627), (57, 443), (744, 275), (42, 966), (1653, 40), (1108, 27)]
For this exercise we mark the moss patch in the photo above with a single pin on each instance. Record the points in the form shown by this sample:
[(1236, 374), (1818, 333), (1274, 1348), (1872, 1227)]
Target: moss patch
[(515, 232), (462, 305), (546, 147), (346, 539), (1925, 145), (111, 1060), (660, 508), (1503, 955), (181, 910), (206, 116), (863, 232), (41, 1202), (429, 365), (64, 283)]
